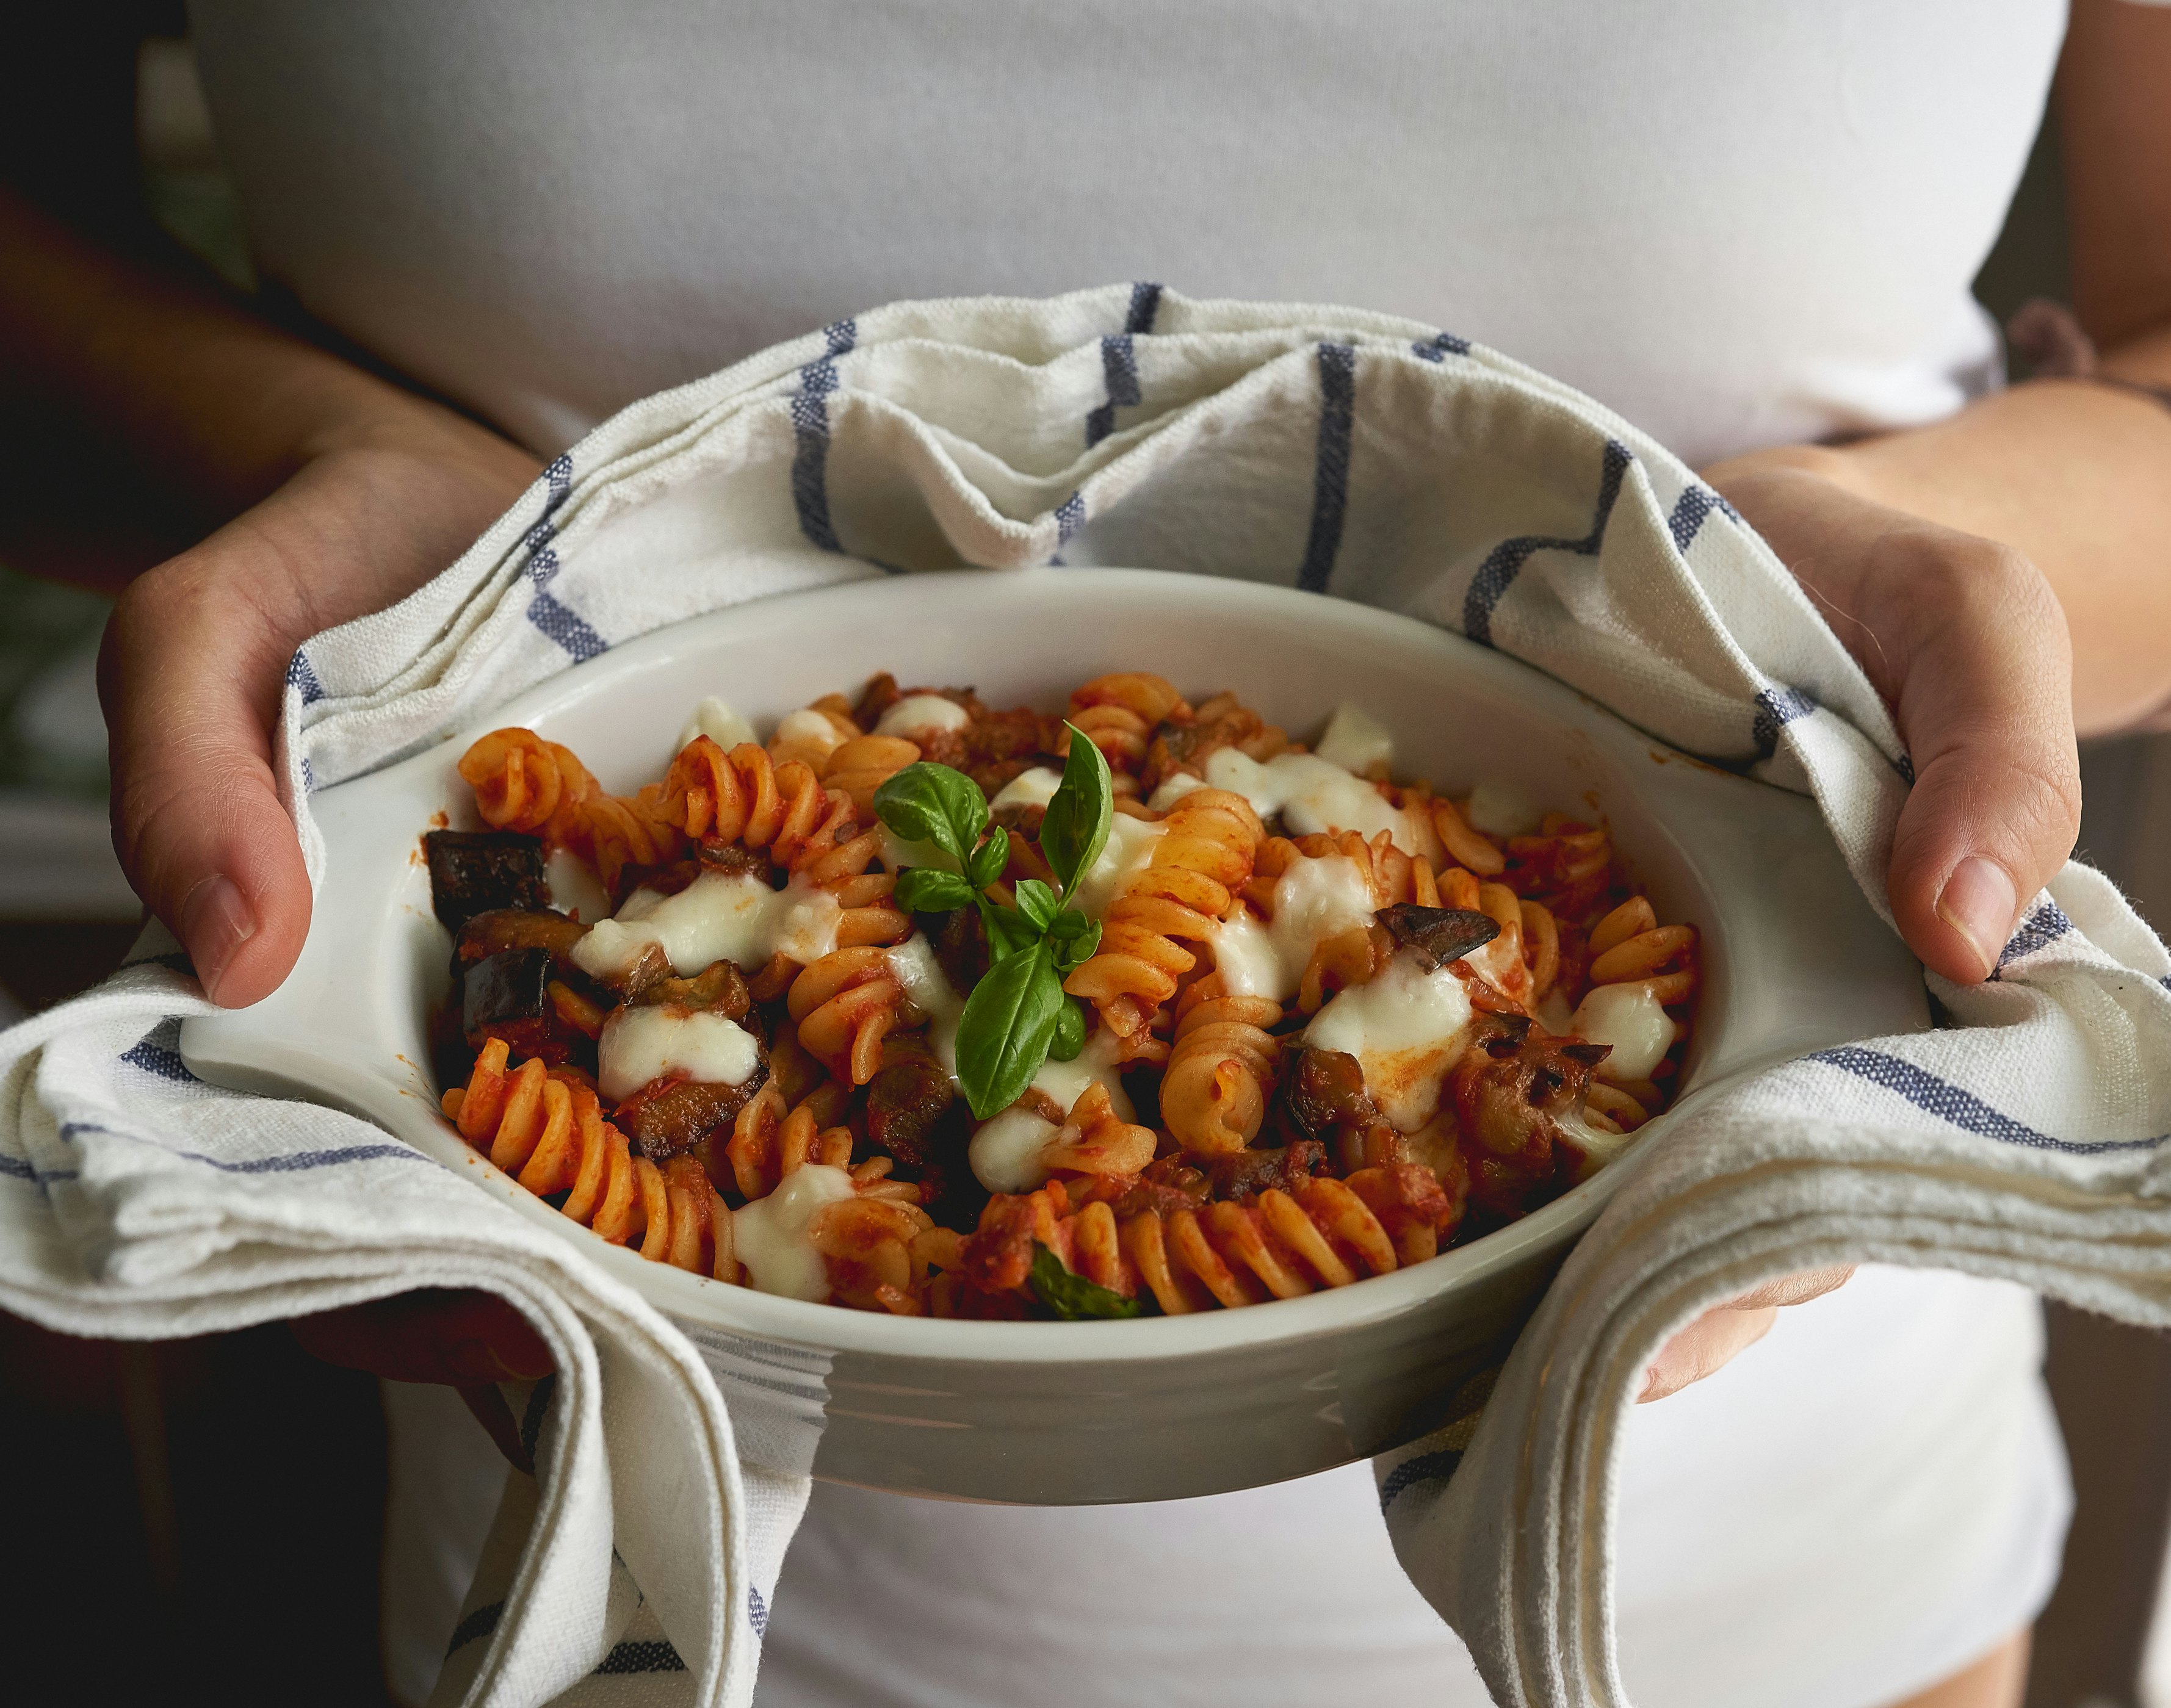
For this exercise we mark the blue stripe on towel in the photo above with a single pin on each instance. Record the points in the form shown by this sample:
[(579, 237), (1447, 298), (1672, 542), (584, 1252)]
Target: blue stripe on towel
[(642, 1655), (1441, 345), (157, 1053), (1120, 362), (302, 674), (1425, 1467), (756, 1612), (1775, 709), (2044, 926), (1498, 573), (1963, 1108), (479, 1623), (1330, 477), (548, 614), (14, 1169), (1069, 517), (1145, 303), (810, 427), (298, 1162)]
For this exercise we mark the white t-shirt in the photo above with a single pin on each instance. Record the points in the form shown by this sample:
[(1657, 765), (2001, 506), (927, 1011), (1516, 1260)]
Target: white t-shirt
[(1736, 224)]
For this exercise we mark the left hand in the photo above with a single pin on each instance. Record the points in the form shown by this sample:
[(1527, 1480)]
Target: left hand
[(1967, 643)]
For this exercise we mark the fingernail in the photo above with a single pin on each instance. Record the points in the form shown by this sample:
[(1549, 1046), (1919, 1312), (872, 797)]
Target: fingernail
[(1979, 903), (215, 922)]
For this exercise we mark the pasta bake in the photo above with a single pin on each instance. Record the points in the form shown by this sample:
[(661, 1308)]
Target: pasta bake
[(927, 1007)]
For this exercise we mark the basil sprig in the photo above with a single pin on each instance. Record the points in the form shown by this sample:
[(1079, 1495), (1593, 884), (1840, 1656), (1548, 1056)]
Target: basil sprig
[(1070, 1297), (1017, 1016)]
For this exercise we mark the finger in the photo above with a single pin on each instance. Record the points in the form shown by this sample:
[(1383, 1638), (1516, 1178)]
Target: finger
[(189, 675), (1707, 1346), (460, 1338), (1986, 709), (1794, 1289)]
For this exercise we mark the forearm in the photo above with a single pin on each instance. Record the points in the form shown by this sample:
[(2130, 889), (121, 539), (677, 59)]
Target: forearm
[(117, 376), (2073, 475)]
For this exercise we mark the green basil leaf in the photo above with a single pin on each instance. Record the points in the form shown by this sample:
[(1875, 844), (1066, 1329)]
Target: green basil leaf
[(1070, 924), (1069, 1032), (1037, 903), (1072, 1297), (1008, 1024), (925, 890), (986, 865), (1009, 931), (1075, 828), (934, 803), (1077, 951)]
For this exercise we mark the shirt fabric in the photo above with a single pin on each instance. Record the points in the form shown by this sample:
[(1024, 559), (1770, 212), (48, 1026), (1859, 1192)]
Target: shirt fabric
[(545, 213)]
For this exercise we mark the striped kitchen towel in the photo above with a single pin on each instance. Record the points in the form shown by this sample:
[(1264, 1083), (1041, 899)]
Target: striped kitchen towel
[(1348, 454)]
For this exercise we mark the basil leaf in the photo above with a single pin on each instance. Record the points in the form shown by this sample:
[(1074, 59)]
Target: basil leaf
[(1037, 903), (1009, 931), (988, 859), (1078, 949), (926, 889), (1008, 1024), (1075, 828), (927, 802), (1070, 924), (1069, 1032), (1073, 1297)]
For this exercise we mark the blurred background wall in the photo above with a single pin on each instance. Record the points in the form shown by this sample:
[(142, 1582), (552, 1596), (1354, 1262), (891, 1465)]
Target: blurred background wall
[(228, 1492)]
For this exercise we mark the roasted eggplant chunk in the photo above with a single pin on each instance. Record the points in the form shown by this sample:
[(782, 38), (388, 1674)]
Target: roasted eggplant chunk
[(507, 996), (502, 929), (473, 871), (668, 1116)]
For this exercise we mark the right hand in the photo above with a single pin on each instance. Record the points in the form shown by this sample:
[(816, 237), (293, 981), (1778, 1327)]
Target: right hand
[(196, 658)]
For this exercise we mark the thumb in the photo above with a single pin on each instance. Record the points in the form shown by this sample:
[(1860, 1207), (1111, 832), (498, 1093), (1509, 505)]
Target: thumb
[(190, 675), (1983, 696)]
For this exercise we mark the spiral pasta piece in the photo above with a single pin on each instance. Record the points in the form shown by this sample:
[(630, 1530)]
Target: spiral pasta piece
[(1094, 1140), (1661, 958), (843, 1006), (1326, 1233), (1220, 1073), (1189, 882), (769, 1140), (522, 782), (546, 1129), (869, 1250), (1119, 714)]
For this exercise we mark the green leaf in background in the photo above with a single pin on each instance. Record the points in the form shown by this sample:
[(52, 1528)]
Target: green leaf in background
[(928, 890), (987, 860), (927, 802), (1009, 931), (1072, 1297), (1075, 828), (1069, 1032), (1009, 1021)]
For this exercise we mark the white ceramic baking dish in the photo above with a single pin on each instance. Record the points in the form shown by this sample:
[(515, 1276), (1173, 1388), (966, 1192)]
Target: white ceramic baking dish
[(1061, 1413)]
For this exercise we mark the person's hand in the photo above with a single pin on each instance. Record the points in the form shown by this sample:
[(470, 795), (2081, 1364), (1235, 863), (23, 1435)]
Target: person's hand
[(1967, 643), (196, 654), (464, 1340)]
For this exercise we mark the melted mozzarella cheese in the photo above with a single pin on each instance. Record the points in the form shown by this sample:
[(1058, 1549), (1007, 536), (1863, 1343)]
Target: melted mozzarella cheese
[(1005, 1152), (1033, 788), (574, 889), (1502, 809), (770, 1234), (1628, 1017), (1405, 1028), (1314, 900), (641, 1044), (914, 963), (1066, 1082), (922, 715), (1311, 794), (719, 722), (720, 916), (807, 735), (1129, 848), (1357, 741)]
